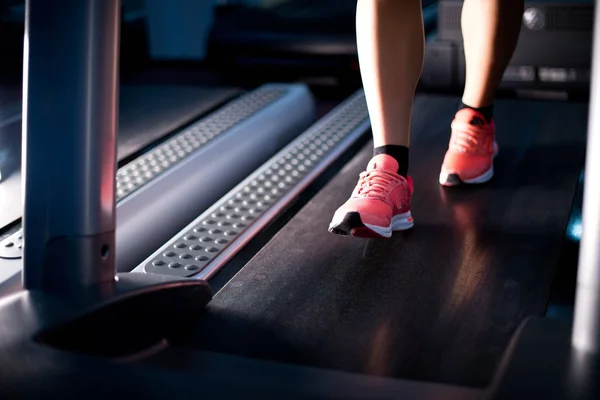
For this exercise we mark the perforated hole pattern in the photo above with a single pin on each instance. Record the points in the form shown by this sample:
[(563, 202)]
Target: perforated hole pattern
[(12, 246), (148, 166), (192, 251)]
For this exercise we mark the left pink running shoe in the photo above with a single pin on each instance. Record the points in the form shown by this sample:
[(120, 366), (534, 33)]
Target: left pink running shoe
[(380, 202)]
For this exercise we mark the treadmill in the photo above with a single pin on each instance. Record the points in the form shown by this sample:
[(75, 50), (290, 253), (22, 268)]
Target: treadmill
[(428, 314)]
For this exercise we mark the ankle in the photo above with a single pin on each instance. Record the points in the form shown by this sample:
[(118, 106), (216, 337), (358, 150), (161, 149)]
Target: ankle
[(399, 153), (487, 112)]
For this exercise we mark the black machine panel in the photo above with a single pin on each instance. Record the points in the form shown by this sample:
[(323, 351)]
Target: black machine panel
[(554, 48)]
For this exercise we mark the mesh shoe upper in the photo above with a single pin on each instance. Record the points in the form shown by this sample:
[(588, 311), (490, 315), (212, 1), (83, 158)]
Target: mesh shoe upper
[(472, 146), (380, 192)]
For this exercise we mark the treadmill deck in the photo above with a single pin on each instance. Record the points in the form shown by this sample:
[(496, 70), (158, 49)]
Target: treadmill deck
[(438, 303)]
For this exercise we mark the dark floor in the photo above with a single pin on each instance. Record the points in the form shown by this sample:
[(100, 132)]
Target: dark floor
[(437, 304)]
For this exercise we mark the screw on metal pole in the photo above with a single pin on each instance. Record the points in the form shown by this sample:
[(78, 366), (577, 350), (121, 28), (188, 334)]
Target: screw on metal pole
[(70, 78), (586, 324)]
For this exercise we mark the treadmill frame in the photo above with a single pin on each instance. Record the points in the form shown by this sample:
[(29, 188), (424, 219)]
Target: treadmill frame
[(586, 324)]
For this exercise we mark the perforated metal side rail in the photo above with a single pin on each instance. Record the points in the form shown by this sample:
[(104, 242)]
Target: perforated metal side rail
[(12, 246), (143, 169), (206, 244)]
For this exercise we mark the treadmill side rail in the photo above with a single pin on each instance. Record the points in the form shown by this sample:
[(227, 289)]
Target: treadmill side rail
[(240, 137), (167, 155), (202, 248)]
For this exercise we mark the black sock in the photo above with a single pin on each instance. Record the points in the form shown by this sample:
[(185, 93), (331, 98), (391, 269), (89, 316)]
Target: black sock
[(487, 112), (400, 153)]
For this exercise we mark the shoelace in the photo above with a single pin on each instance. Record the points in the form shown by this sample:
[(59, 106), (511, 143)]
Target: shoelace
[(375, 182), (465, 137)]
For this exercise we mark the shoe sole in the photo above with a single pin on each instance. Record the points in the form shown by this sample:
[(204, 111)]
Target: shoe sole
[(455, 180), (351, 225)]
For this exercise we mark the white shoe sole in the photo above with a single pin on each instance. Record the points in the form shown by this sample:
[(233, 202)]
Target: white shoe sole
[(483, 178), (400, 222)]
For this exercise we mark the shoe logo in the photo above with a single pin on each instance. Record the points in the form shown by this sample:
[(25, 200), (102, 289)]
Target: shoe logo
[(477, 121)]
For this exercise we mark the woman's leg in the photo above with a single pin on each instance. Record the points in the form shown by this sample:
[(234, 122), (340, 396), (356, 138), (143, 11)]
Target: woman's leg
[(490, 32), (390, 43)]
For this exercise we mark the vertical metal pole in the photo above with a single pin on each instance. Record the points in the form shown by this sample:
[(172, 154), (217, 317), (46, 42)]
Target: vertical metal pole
[(586, 325), (70, 117)]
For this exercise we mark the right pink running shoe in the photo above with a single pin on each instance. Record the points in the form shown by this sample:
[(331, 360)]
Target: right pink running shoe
[(380, 202), (471, 151)]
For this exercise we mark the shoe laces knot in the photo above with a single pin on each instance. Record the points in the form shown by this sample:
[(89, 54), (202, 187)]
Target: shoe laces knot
[(375, 182), (466, 138)]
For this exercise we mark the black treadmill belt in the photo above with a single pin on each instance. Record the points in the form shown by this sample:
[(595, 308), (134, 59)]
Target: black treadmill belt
[(148, 112), (439, 303)]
